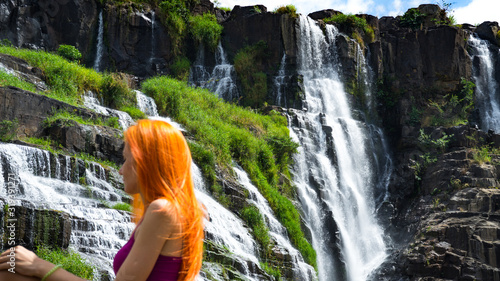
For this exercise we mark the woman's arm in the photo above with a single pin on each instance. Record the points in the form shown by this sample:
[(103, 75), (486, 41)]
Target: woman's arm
[(156, 227), (29, 264)]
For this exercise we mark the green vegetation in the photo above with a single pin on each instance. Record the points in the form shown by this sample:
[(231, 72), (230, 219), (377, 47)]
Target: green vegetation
[(288, 9), (64, 118), (352, 24), (251, 215), (205, 30), (175, 18), (12, 80), (6, 42), (249, 67), (69, 52), (134, 112), (257, 10), (180, 68), (8, 130), (67, 81), (452, 109), (70, 261), (122, 207), (427, 142), (271, 270), (44, 143), (413, 19), (483, 154), (231, 132)]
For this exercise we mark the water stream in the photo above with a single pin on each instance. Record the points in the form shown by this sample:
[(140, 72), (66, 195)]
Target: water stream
[(487, 86), (100, 44), (221, 79), (334, 170)]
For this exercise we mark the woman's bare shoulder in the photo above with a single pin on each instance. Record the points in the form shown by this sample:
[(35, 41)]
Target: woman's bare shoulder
[(162, 209)]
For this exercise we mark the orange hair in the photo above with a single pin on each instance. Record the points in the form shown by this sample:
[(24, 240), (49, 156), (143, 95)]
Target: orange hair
[(163, 164)]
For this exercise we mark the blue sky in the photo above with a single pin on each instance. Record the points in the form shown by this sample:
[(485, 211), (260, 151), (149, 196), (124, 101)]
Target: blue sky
[(464, 11)]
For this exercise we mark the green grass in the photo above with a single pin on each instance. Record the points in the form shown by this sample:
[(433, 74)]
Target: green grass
[(122, 206), (65, 117), (231, 132), (12, 80), (251, 215), (67, 81), (70, 261)]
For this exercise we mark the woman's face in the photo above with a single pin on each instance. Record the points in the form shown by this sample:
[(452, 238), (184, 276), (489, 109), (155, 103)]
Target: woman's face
[(128, 172)]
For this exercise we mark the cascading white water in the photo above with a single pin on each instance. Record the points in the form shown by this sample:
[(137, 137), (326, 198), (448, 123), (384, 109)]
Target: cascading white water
[(221, 80), (333, 171), (279, 82), (146, 104), (124, 119), (97, 232), (302, 271), (100, 44), (153, 41), (487, 87)]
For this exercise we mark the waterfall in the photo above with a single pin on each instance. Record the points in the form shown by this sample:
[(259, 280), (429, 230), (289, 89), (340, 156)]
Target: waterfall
[(333, 173), (153, 41), (124, 119), (487, 87), (302, 271), (221, 80), (279, 81), (100, 44), (96, 232), (146, 104)]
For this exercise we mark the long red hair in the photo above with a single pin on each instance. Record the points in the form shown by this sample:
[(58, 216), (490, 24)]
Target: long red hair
[(163, 164)]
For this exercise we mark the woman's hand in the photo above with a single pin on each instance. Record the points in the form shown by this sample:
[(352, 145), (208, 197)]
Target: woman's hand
[(22, 261)]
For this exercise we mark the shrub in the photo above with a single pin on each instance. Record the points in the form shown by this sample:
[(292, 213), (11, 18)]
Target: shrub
[(288, 9), (180, 68), (175, 17), (206, 30), (8, 130), (115, 92), (6, 42), (69, 52), (351, 24), (413, 19)]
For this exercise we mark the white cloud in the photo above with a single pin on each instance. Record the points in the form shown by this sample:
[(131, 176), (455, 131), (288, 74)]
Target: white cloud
[(478, 11), (396, 8)]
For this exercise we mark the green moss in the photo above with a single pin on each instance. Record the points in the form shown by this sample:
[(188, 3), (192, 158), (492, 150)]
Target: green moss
[(64, 118), (134, 112), (249, 66)]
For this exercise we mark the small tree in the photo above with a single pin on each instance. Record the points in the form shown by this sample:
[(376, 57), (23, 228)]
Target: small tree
[(69, 52)]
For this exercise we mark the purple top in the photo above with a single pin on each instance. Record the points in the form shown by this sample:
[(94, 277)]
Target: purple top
[(166, 268)]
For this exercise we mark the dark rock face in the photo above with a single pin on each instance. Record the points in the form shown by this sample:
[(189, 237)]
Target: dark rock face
[(102, 142), (488, 31), (33, 227), (138, 42), (47, 24)]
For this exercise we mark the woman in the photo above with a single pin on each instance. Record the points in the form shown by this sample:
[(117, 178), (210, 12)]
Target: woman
[(167, 243)]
